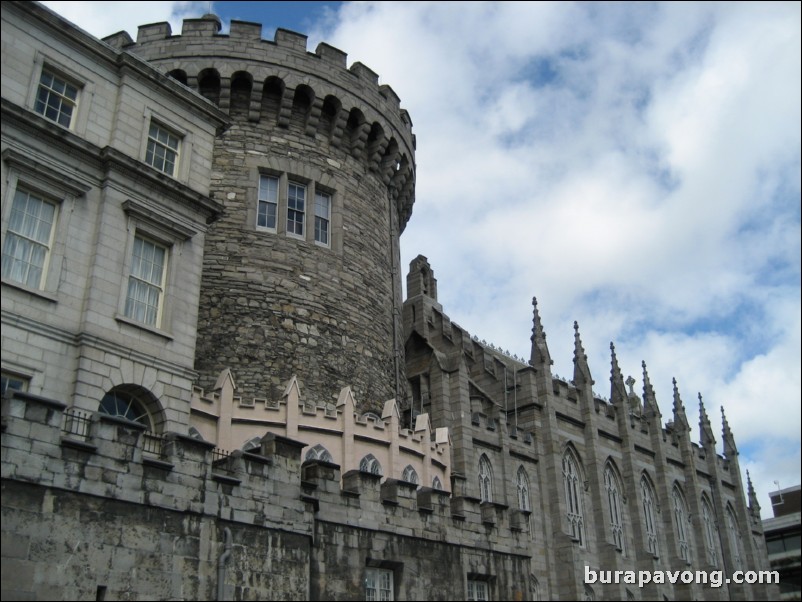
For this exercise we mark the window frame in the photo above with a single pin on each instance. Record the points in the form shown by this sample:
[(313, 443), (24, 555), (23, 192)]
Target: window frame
[(139, 234), (33, 175), (709, 529), (679, 511), (9, 376), (373, 576), (290, 219), (276, 203), (574, 503), (319, 219), (477, 587), (295, 210), (649, 505), (612, 486), (9, 235), (57, 76), (154, 122), (485, 479)]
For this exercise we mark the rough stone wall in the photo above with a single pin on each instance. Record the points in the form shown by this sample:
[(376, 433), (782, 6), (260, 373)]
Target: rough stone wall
[(274, 305), (102, 508), (432, 542)]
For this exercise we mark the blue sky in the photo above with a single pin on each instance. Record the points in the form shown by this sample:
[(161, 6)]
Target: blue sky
[(636, 166)]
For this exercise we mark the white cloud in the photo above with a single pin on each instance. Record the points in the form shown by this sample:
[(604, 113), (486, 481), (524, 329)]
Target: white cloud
[(102, 19)]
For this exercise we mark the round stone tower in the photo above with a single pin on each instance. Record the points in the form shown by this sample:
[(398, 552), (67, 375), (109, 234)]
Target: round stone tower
[(317, 175)]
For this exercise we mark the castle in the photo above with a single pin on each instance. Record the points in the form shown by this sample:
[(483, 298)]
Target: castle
[(213, 389)]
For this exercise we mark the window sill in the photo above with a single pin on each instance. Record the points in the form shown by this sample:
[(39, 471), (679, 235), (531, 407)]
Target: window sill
[(145, 327), (31, 291)]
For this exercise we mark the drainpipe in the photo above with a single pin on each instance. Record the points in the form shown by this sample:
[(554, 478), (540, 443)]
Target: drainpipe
[(221, 565)]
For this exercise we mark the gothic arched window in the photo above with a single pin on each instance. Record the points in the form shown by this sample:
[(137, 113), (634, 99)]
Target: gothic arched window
[(318, 452), (522, 483), (371, 465), (614, 505), (485, 479), (680, 511), (735, 538), (573, 498), (409, 475), (647, 499), (709, 527)]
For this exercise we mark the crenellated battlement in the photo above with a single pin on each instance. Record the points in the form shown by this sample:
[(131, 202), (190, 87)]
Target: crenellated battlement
[(269, 81), (335, 432), (49, 445)]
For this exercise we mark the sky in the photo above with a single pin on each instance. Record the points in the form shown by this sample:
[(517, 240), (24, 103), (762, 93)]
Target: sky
[(635, 166)]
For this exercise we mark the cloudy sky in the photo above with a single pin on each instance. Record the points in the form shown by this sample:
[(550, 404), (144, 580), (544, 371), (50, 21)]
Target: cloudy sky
[(634, 166)]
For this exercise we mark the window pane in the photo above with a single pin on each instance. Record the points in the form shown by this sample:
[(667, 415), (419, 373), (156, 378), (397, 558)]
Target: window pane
[(27, 243), (56, 99), (145, 281), (162, 150)]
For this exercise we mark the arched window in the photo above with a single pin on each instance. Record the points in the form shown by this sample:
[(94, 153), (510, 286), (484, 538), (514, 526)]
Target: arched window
[(318, 452), (588, 595), (409, 475), (709, 527), (534, 587), (647, 499), (614, 505), (134, 403), (735, 538), (485, 479), (573, 498), (523, 489), (436, 484), (371, 465), (680, 519)]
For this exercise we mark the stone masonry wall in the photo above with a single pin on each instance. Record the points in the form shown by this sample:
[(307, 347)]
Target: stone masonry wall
[(98, 507)]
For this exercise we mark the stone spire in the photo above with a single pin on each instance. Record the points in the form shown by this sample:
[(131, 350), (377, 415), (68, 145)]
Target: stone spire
[(650, 407), (540, 350), (730, 451), (680, 419), (618, 391), (705, 428), (754, 505), (581, 368)]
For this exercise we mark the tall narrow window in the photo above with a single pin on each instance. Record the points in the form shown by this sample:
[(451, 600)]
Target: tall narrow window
[(735, 538), (378, 584), (647, 498), (680, 514), (162, 152), (573, 498), (28, 239), (522, 482), (709, 526), (614, 506), (322, 217), (56, 99), (267, 205), (296, 208), (485, 479), (146, 282)]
